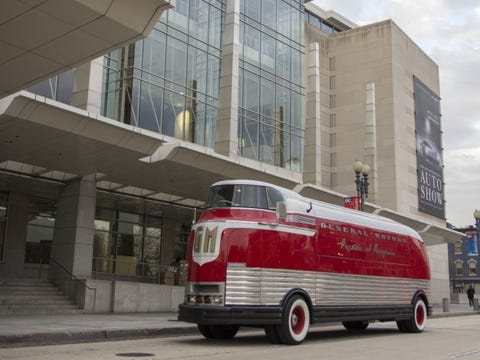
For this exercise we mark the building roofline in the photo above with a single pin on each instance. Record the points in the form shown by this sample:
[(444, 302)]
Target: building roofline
[(331, 16)]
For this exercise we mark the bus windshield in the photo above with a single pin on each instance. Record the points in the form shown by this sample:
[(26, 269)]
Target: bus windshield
[(240, 195)]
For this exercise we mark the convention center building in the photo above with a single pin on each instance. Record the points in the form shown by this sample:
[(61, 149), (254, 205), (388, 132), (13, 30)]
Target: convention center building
[(117, 116)]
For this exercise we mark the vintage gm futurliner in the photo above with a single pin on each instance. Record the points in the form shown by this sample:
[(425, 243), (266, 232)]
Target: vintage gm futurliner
[(261, 255)]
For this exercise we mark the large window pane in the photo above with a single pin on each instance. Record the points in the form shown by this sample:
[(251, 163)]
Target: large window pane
[(210, 126), (249, 140), (213, 79), (251, 92), (283, 60), (3, 223), (267, 97), (197, 69), (266, 139), (251, 46), (127, 243), (179, 17), (104, 246), (215, 21), (199, 20), (151, 107), (268, 53), (153, 57), (176, 65), (269, 13), (284, 18), (39, 238), (58, 87)]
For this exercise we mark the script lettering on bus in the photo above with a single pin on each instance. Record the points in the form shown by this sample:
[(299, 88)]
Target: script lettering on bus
[(356, 247)]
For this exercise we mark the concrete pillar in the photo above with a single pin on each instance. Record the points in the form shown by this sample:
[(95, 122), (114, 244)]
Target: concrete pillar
[(87, 86), (72, 245), (17, 221), (446, 304), (370, 141), (226, 138), (313, 144)]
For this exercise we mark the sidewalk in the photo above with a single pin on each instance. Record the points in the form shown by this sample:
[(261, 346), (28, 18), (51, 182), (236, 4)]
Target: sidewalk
[(29, 330)]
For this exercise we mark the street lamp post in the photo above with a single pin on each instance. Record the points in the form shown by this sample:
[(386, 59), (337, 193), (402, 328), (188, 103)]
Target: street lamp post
[(361, 180), (476, 215)]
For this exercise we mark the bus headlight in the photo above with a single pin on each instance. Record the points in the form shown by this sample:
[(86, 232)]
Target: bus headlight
[(205, 299)]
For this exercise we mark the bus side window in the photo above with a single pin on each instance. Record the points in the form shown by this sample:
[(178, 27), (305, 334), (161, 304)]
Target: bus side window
[(273, 196)]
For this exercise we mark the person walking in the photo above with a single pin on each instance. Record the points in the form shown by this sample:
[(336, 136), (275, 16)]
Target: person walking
[(470, 295)]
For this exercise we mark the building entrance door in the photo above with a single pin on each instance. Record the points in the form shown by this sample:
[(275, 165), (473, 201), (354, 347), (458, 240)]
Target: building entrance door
[(41, 223)]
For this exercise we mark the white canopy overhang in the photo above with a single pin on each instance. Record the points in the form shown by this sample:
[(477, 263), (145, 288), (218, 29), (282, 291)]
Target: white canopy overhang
[(45, 138)]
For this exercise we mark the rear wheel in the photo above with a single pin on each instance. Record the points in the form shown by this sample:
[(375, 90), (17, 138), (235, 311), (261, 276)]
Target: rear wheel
[(355, 325), (295, 321), (218, 331), (416, 323)]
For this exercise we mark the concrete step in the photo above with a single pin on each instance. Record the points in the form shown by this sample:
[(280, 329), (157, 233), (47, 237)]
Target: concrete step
[(10, 289), (23, 282), (44, 306), (33, 296), (13, 300), (22, 311)]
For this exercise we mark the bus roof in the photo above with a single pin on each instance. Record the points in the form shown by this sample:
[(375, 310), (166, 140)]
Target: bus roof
[(330, 211)]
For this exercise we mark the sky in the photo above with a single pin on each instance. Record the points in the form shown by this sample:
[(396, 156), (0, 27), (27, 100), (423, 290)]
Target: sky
[(449, 33)]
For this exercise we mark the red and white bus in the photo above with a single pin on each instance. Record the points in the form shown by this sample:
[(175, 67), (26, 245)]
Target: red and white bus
[(261, 255)]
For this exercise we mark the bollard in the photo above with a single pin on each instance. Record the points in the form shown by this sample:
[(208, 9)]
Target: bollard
[(446, 304), (475, 304)]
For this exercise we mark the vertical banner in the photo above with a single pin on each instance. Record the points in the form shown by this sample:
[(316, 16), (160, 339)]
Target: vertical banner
[(472, 243), (429, 155), (352, 202)]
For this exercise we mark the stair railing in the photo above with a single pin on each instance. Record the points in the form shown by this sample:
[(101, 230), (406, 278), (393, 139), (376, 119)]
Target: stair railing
[(76, 280)]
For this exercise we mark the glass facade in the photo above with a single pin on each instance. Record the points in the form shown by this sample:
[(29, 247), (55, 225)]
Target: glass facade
[(169, 81), (3, 223), (271, 94), (41, 223), (58, 87), (320, 24), (127, 243)]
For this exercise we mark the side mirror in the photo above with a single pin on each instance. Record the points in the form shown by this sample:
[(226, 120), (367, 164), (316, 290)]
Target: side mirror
[(281, 210)]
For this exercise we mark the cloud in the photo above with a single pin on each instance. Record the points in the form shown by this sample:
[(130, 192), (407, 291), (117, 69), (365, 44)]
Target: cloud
[(462, 179), (449, 32)]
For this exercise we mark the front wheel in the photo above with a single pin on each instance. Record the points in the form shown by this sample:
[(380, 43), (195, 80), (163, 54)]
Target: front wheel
[(295, 321), (416, 324)]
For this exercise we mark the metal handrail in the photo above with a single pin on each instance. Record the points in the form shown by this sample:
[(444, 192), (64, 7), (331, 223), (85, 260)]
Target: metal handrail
[(110, 268), (77, 280)]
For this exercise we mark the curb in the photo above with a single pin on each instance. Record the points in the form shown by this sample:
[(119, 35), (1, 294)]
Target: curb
[(453, 314), (57, 338)]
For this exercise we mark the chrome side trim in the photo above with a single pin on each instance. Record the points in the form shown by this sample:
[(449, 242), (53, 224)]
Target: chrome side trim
[(259, 286)]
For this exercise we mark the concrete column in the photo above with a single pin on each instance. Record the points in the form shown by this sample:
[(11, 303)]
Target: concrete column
[(72, 244), (313, 144), (370, 141), (17, 221), (226, 141), (87, 86)]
